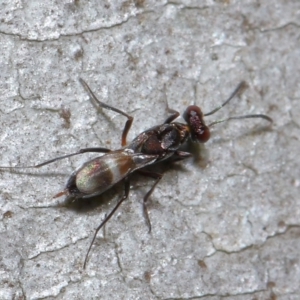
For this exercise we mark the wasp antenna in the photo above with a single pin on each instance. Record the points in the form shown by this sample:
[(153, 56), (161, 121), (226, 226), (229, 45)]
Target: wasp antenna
[(239, 89), (243, 117)]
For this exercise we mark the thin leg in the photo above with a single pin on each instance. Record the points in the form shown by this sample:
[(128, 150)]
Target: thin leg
[(101, 104), (125, 196), (180, 155), (158, 177), (101, 150), (174, 113), (173, 116)]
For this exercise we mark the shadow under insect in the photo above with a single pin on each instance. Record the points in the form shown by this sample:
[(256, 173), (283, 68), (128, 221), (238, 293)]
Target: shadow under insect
[(92, 204)]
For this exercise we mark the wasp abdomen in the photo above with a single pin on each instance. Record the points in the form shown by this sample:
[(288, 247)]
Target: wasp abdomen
[(101, 173)]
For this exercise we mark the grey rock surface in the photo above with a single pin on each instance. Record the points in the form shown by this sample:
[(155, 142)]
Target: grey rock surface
[(224, 225)]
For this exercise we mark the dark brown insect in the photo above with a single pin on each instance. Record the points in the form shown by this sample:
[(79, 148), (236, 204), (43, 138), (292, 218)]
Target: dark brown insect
[(159, 143)]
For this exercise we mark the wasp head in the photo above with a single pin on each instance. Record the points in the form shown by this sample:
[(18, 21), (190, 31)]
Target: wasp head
[(194, 118)]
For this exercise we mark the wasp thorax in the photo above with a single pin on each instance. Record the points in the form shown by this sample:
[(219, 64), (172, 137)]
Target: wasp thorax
[(194, 118)]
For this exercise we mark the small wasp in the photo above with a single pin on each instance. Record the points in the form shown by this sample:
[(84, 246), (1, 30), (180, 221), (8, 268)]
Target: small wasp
[(159, 143)]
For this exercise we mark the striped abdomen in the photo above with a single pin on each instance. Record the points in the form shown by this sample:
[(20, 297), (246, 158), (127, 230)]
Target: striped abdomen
[(101, 173)]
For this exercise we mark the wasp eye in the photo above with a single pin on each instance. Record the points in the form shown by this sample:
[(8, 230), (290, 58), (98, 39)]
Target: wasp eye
[(194, 118)]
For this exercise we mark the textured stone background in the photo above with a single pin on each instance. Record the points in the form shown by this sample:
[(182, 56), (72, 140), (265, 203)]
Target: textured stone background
[(229, 229)]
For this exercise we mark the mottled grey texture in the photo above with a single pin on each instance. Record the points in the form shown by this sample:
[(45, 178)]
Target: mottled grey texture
[(229, 229)]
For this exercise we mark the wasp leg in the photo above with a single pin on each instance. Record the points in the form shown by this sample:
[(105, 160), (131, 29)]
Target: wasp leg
[(101, 104), (173, 116), (179, 155), (174, 113), (81, 151), (125, 196), (158, 177)]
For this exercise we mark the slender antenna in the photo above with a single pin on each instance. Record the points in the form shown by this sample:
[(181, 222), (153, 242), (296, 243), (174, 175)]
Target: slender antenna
[(238, 90), (242, 117)]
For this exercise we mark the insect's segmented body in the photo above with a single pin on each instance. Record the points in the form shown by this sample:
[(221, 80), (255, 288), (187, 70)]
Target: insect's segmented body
[(156, 144), (162, 141), (101, 173), (151, 146)]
